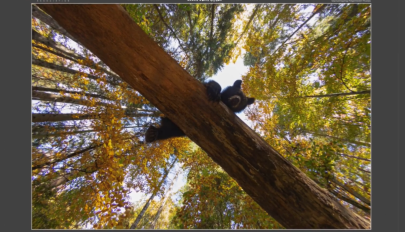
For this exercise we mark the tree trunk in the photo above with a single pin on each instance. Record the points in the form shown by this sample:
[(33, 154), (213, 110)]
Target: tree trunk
[(61, 117), (37, 13), (163, 202), (60, 133), (355, 157), (352, 202), (351, 191), (76, 153), (111, 79), (38, 88), (64, 52), (43, 96), (65, 117), (338, 138), (338, 94), (145, 207), (281, 189)]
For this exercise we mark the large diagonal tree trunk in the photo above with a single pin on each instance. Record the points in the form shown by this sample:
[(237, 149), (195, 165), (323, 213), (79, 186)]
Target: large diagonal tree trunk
[(286, 193)]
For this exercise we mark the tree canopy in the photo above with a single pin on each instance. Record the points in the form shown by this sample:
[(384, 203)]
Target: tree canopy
[(309, 68)]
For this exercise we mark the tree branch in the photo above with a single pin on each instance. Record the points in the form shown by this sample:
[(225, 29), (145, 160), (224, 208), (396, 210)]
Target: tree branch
[(64, 158), (257, 7), (310, 17), (339, 94), (170, 28)]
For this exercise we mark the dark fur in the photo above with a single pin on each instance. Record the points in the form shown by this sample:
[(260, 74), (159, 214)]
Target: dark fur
[(232, 96)]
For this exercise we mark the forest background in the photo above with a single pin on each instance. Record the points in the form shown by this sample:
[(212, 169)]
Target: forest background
[(308, 66)]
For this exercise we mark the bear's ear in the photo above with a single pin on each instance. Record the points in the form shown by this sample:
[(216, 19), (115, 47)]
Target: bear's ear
[(250, 100), (237, 84)]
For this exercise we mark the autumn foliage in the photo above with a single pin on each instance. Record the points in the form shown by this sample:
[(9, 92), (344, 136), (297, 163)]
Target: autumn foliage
[(309, 69)]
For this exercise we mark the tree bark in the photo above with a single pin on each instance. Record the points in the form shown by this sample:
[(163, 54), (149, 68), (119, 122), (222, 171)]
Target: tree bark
[(281, 189)]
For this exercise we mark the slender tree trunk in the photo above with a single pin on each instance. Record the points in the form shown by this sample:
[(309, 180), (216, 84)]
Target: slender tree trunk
[(36, 88), (140, 215), (64, 52), (54, 45), (252, 16), (338, 94), (37, 13), (66, 117), (63, 131), (368, 172), (163, 202), (340, 139), (355, 157), (280, 188), (63, 179), (38, 95), (320, 9), (157, 215), (61, 117), (352, 202), (351, 191), (79, 152), (145, 207), (35, 61), (59, 133), (348, 200), (171, 29)]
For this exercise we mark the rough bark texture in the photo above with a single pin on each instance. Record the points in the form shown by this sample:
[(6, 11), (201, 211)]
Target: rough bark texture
[(274, 183)]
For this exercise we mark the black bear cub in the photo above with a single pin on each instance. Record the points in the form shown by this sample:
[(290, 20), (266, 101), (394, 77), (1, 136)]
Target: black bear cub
[(232, 96)]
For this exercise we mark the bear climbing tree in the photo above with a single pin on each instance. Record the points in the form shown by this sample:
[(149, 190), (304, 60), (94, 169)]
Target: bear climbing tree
[(232, 97), (282, 190)]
